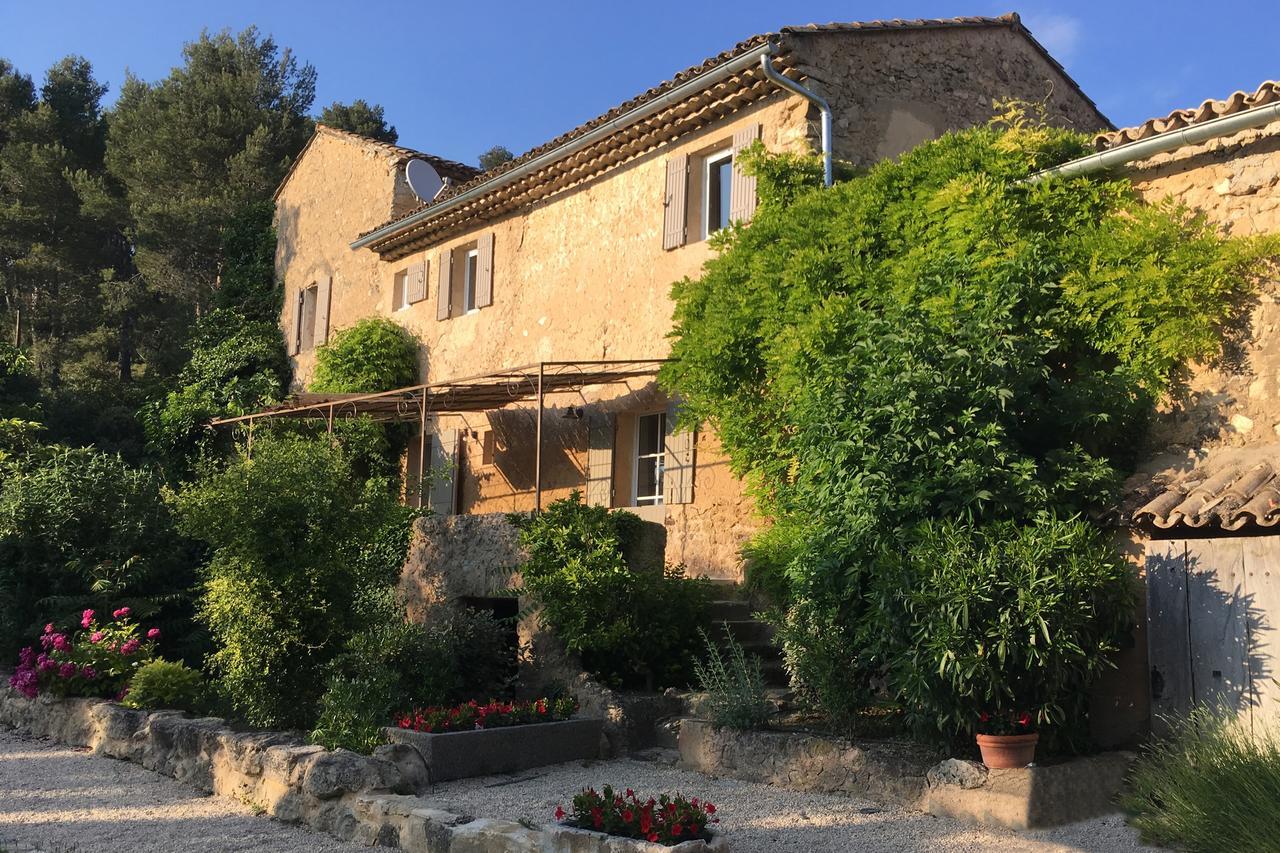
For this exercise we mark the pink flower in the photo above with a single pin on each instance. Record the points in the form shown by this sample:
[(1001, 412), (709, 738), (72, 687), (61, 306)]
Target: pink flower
[(47, 664), (60, 643), (86, 618), (88, 672), (27, 656), (130, 646), (24, 681), (67, 670), (95, 637), (48, 629), (122, 613), (153, 634)]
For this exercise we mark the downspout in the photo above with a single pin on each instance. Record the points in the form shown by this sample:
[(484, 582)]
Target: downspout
[(766, 65), (1161, 143)]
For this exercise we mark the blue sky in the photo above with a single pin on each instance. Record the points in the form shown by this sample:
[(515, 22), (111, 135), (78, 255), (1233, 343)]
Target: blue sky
[(456, 78)]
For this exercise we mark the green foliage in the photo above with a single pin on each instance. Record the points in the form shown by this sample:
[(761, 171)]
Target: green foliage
[(1002, 619), (495, 157), (82, 529), (1211, 786), (162, 684), (247, 282), (629, 624), (353, 711), (373, 355), (288, 531), (360, 117), (938, 338), (734, 685)]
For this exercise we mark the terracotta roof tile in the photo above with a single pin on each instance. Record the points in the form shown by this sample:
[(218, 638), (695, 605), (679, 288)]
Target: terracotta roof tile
[(1267, 93), (1229, 491), (741, 90)]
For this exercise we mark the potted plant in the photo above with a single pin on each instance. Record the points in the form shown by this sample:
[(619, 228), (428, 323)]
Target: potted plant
[(1007, 740), (668, 821)]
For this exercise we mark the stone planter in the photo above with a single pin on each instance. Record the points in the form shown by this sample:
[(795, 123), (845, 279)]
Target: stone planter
[(558, 838), (487, 752)]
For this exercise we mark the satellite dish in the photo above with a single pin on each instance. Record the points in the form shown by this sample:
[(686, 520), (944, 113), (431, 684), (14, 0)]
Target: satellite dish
[(423, 179)]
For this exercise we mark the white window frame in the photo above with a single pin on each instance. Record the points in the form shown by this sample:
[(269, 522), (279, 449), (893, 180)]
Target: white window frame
[(658, 459), (400, 287), (713, 159), (469, 280)]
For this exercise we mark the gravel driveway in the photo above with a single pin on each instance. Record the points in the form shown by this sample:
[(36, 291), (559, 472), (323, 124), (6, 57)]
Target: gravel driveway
[(59, 799)]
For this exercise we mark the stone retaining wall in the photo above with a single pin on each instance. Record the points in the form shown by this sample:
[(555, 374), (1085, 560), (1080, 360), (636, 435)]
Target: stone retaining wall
[(366, 799)]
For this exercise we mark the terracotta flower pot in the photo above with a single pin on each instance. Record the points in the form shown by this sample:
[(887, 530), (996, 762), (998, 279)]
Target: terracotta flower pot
[(1003, 752)]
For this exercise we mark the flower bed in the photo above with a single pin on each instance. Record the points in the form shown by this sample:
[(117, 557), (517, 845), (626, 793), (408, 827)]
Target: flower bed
[(493, 715), (98, 661), (666, 820)]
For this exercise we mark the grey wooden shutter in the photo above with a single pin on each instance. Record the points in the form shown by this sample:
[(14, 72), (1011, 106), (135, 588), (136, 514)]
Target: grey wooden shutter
[(742, 190), (1168, 640), (677, 474), (444, 291), (295, 340), (416, 282), (323, 294), (444, 472), (600, 459), (674, 202), (484, 270)]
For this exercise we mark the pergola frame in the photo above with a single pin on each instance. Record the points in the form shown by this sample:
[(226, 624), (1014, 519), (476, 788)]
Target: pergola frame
[(478, 393)]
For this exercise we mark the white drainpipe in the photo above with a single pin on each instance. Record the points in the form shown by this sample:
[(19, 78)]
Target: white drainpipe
[(1159, 144), (766, 65)]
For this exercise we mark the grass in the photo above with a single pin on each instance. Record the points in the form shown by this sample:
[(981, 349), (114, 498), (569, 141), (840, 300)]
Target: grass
[(1211, 786)]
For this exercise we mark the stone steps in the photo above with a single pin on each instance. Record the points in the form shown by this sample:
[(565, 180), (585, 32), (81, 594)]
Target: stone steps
[(732, 610)]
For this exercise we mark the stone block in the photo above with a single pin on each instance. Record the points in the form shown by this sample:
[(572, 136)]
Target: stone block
[(568, 839), (485, 752)]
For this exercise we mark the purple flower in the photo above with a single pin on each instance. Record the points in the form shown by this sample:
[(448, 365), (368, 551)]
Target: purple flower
[(67, 670), (46, 640), (130, 646), (153, 634), (95, 637), (122, 613), (60, 643), (24, 681), (85, 618), (48, 629), (27, 656), (88, 672), (47, 664)]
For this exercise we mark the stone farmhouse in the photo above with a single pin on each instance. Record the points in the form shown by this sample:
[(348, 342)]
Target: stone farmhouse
[(539, 290)]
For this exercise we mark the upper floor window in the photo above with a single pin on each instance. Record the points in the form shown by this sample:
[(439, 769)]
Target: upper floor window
[(469, 269), (400, 291), (650, 459), (706, 190), (307, 305), (717, 185), (465, 281)]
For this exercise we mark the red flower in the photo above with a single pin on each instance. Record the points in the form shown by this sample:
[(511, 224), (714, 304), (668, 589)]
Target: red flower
[(630, 794), (628, 815), (597, 817), (559, 813), (710, 808), (1024, 720), (676, 830), (653, 836), (646, 821)]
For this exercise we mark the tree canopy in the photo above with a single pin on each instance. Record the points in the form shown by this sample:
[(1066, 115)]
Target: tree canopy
[(360, 117)]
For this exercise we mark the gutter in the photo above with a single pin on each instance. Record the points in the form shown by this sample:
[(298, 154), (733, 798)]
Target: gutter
[(643, 111), (766, 65), (1161, 143)]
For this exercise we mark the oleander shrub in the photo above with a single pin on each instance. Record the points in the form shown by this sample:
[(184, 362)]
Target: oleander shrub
[(98, 660), (734, 684), (938, 338), (630, 625), (354, 709), (163, 684), (1211, 785)]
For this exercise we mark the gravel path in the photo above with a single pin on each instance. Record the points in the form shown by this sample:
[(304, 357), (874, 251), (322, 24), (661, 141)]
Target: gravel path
[(763, 819), (58, 799)]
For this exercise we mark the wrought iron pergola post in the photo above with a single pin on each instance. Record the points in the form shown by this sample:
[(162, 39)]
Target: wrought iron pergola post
[(537, 453), (422, 444)]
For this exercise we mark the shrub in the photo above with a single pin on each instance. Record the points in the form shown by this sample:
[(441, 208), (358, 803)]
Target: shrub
[(161, 684), (491, 715), (354, 710), (373, 355), (1211, 786), (99, 660), (734, 685), (628, 624), (82, 529), (665, 820), (1002, 620), (288, 531)]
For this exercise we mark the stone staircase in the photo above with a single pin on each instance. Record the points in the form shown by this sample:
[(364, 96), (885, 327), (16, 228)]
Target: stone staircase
[(732, 610)]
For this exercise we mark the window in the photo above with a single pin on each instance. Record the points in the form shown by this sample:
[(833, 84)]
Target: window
[(400, 292), (489, 447), (717, 182), (469, 268), (307, 305), (650, 457)]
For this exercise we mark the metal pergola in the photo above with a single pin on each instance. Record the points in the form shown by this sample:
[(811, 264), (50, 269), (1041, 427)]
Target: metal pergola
[(478, 393)]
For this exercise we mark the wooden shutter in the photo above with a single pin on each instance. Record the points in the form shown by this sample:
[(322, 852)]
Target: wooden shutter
[(444, 472), (600, 459), (674, 202), (484, 270), (323, 294), (295, 340), (444, 290), (677, 475), (416, 282), (742, 190)]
